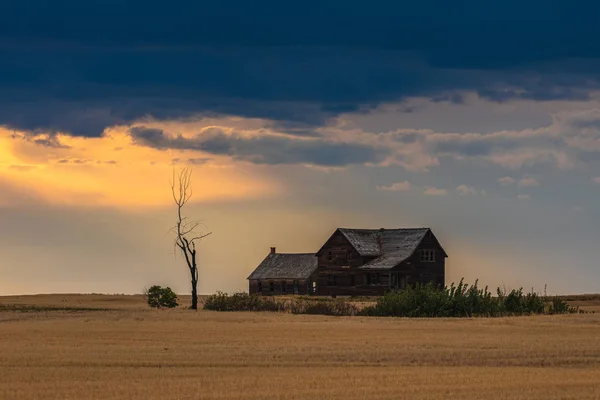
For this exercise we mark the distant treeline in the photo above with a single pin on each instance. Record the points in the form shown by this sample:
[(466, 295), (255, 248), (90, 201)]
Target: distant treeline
[(462, 300)]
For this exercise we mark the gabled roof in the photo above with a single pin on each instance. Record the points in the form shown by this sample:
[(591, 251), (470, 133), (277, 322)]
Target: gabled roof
[(286, 266), (389, 246)]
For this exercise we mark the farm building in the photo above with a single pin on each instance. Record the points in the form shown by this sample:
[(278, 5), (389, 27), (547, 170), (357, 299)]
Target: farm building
[(365, 262), (283, 273)]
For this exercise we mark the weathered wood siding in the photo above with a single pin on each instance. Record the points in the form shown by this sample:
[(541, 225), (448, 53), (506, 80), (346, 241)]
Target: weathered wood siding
[(338, 272), (278, 286), (418, 271)]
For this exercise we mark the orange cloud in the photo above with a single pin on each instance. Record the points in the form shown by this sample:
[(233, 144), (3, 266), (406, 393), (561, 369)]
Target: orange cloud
[(112, 171)]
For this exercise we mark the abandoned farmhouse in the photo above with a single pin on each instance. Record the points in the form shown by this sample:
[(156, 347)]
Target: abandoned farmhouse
[(366, 262)]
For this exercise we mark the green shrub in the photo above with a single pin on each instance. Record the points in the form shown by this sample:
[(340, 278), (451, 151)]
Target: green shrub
[(560, 306), (159, 297), (251, 302), (463, 300), (241, 302), (322, 307)]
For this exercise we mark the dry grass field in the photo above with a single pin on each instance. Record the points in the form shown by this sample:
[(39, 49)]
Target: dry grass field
[(132, 352)]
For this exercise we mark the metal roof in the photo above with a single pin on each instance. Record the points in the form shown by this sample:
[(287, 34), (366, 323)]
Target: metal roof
[(390, 246), (286, 266)]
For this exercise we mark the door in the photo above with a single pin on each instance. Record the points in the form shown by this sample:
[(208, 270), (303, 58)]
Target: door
[(403, 282), (394, 280)]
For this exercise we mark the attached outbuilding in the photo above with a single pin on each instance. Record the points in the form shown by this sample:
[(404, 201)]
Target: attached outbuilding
[(283, 273)]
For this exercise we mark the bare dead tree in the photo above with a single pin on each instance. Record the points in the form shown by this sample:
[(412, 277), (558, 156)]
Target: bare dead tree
[(185, 230)]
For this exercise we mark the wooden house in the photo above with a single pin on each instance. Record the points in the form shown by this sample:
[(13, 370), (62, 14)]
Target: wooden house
[(366, 262)]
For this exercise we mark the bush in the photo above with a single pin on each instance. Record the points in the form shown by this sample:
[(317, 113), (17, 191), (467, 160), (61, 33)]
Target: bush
[(560, 306), (159, 297), (320, 307), (251, 302), (463, 300), (241, 302)]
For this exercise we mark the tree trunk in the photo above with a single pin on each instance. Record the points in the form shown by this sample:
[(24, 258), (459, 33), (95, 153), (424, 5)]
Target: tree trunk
[(194, 294)]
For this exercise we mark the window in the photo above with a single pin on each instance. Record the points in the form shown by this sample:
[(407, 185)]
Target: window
[(283, 287), (314, 287), (259, 286), (331, 280), (427, 255), (296, 287), (352, 281), (271, 286), (329, 256), (349, 256), (373, 278)]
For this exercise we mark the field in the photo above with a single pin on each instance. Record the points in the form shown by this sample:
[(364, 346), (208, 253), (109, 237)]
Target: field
[(50, 350)]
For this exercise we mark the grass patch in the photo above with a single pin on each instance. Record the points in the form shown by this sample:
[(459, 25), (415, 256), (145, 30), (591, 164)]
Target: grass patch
[(34, 308)]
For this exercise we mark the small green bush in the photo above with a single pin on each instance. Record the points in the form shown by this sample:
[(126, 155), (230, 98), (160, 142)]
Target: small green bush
[(560, 306), (159, 297)]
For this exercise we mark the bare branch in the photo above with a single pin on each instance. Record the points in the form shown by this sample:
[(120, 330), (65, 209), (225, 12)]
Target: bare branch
[(184, 229), (199, 237)]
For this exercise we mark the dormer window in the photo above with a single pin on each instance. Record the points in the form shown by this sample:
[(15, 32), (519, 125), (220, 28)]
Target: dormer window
[(427, 255)]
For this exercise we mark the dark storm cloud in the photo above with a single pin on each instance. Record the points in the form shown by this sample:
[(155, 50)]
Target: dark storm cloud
[(271, 150), (79, 67)]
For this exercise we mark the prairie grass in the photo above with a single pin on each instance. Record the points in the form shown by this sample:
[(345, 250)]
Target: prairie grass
[(140, 353)]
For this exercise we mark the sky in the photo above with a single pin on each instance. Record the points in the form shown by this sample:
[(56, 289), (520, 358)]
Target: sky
[(478, 119)]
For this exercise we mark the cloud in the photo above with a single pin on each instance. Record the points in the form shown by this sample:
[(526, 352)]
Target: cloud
[(110, 68), (88, 172), (523, 182), (23, 168), (528, 182), (464, 190), (43, 139), (596, 179), (506, 181), (396, 187), (432, 191), (342, 142), (523, 197), (558, 144), (263, 149)]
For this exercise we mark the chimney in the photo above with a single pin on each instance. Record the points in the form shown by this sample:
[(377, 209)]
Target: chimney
[(272, 250)]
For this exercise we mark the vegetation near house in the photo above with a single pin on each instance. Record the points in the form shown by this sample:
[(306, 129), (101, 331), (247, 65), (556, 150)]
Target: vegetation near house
[(359, 262), (465, 300), (159, 297), (420, 300)]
